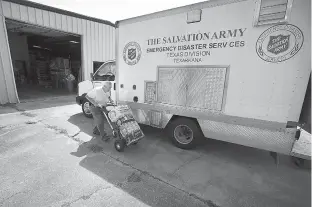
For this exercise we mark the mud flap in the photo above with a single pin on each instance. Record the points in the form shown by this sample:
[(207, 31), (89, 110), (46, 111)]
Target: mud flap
[(302, 146), (275, 157)]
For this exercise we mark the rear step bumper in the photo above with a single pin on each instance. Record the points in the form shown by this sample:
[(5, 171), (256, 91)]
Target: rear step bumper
[(302, 146)]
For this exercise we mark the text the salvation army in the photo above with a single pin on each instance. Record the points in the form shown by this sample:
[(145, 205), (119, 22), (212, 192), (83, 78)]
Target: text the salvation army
[(201, 36)]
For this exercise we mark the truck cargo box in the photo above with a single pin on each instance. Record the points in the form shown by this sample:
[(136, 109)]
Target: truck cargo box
[(238, 68)]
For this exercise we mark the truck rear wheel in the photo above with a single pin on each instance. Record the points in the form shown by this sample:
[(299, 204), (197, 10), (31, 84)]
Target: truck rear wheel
[(185, 133), (86, 108)]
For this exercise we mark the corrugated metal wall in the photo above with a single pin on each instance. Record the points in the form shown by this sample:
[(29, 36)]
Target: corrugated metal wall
[(98, 40), (7, 83)]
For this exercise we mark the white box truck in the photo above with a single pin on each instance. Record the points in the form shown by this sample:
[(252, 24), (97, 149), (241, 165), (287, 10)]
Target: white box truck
[(231, 70)]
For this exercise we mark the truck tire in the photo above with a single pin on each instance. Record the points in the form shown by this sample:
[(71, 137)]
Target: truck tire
[(185, 133), (86, 108)]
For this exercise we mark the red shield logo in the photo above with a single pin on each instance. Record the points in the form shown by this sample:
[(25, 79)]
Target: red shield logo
[(278, 44), (131, 53)]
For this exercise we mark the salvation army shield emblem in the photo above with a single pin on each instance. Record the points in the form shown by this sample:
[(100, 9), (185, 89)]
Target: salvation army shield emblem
[(131, 53), (278, 44)]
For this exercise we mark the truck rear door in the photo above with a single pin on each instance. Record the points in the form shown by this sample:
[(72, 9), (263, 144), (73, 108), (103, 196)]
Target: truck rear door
[(105, 73)]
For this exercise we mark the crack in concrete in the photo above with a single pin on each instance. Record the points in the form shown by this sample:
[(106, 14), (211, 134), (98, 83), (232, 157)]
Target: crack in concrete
[(206, 202), (57, 129), (13, 130), (64, 132), (11, 126), (13, 106), (84, 197), (142, 172), (31, 122), (28, 114), (40, 121), (188, 162), (76, 133), (77, 139)]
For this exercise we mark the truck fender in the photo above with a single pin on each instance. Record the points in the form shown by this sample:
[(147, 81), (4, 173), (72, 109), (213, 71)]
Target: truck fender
[(81, 99), (84, 87), (166, 124)]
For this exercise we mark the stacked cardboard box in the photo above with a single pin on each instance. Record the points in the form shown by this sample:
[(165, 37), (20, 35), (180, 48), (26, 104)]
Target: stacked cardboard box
[(75, 68), (43, 73), (58, 67), (32, 65)]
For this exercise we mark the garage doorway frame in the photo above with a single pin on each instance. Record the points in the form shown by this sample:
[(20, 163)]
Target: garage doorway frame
[(45, 28)]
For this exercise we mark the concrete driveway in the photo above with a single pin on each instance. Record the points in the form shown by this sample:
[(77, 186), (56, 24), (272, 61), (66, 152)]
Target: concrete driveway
[(48, 158)]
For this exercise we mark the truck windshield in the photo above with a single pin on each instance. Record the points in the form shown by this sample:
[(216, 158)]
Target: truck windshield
[(106, 72)]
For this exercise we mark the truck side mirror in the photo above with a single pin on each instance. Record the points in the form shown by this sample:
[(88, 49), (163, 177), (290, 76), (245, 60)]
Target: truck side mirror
[(91, 76)]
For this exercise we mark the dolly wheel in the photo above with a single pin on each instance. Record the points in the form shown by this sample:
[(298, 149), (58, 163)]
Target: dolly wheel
[(120, 145)]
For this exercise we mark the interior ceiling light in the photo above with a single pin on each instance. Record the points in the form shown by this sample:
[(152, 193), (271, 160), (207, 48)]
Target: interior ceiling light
[(36, 46), (73, 42)]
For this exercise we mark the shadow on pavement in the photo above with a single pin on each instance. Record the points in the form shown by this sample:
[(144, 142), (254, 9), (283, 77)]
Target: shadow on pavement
[(86, 126), (223, 150), (140, 186), (83, 123), (103, 160), (150, 170), (86, 147)]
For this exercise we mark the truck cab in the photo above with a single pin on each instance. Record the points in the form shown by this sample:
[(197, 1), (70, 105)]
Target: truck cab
[(106, 72)]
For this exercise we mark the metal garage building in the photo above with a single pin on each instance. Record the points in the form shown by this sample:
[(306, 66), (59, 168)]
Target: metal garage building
[(97, 37)]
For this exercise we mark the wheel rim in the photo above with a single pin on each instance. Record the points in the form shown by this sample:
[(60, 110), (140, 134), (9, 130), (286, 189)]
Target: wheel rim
[(86, 108), (183, 134), (118, 146)]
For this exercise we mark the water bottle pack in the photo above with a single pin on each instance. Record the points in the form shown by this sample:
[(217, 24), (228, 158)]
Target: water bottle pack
[(128, 129), (123, 117), (118, 112)]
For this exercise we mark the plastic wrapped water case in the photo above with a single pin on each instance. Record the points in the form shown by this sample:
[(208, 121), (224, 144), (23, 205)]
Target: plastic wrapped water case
[(123, 117)]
